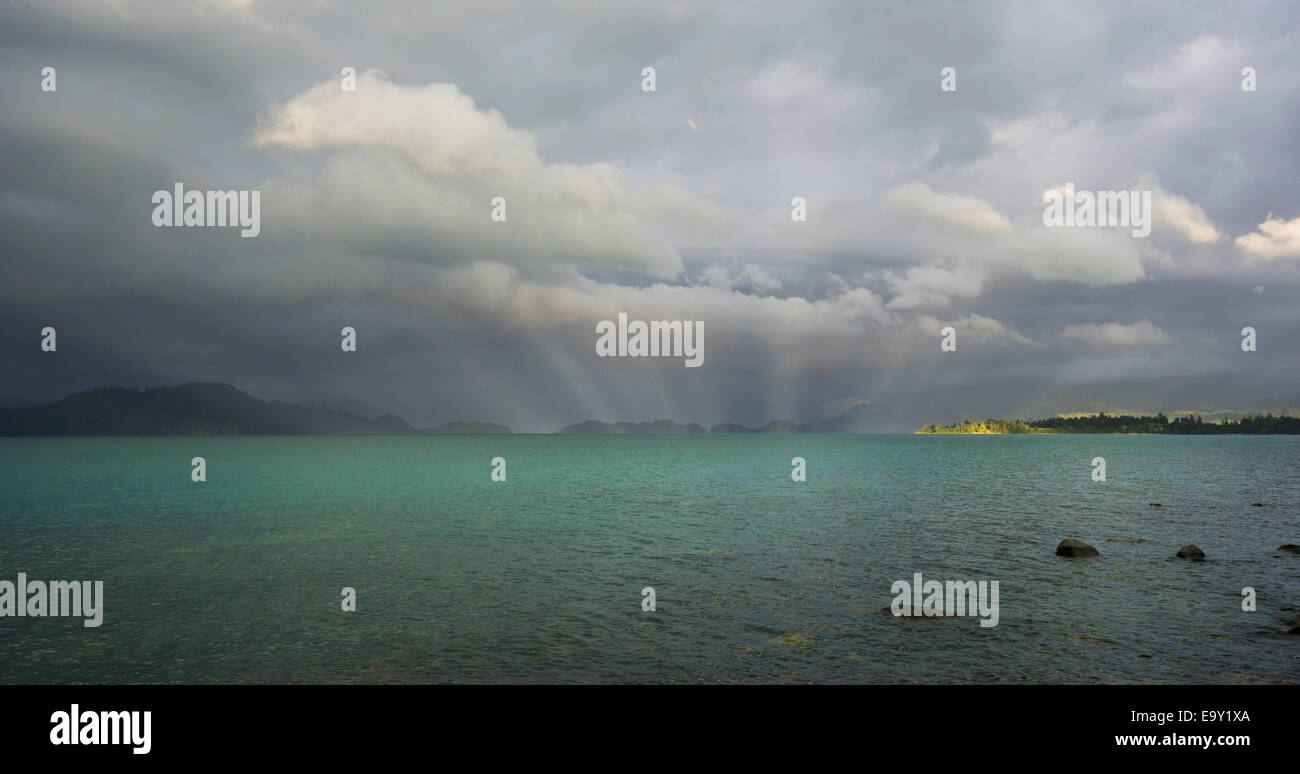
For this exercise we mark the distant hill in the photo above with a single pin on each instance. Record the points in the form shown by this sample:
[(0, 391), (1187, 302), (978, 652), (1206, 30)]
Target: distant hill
[(198, 409), (188, 409), (658, 427), (775, 426), (220, 409), (467, 428), (1210, 399)]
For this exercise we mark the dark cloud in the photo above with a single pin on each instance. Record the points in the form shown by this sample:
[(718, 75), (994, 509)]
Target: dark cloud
[(924, 206)]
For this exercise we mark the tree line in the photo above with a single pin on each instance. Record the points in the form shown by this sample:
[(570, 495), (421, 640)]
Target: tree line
[(1264, 424)]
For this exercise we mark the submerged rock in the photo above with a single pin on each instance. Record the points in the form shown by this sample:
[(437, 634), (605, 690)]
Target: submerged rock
[(1190, 551), (791, 639), (1293, 548), (1072, 547)]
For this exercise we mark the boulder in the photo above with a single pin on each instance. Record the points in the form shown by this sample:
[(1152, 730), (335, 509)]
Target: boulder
[(1190, 551), (1072, 547)]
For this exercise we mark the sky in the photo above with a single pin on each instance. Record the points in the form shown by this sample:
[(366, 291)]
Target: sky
[(924, 205)]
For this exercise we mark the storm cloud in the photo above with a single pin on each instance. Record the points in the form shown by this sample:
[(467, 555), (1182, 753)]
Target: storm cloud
[(924, 206)]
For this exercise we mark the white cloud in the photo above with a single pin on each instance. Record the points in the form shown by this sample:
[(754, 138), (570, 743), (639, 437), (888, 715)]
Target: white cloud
[(436, 126), (753, 276), (750, 277), (952, 211), (1276, 238), (411, 171), (717, 276), (983, 331), (1094, 256), (934, 285), (1183, 216), (746, 331), (1140, 334)]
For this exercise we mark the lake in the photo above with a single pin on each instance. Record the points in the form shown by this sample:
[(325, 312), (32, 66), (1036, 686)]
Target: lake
[(757, 578)]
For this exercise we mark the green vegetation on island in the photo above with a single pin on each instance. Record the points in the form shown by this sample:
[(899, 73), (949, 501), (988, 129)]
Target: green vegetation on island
[(1158, 424)]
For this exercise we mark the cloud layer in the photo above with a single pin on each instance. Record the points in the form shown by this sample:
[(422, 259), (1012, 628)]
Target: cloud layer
[(923, 207)]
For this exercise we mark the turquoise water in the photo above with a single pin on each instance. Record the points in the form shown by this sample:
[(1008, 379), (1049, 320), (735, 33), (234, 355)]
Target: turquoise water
[(757, 577)]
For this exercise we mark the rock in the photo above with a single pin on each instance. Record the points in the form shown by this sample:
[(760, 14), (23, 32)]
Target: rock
[(1154, 505), (791, 639), (1072, 547), (1293, 548), (1190, 551), (1257, 505)]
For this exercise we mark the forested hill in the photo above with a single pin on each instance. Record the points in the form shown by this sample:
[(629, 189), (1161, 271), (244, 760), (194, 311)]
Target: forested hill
[(1158, 424)]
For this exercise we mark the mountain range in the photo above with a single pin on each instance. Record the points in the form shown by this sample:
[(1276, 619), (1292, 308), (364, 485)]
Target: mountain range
[(211, 408)]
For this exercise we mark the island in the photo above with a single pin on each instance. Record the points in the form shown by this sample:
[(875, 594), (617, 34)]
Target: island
[(1156, 424)]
